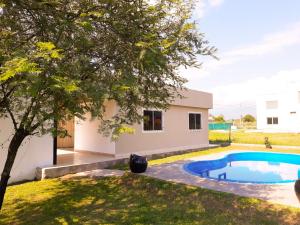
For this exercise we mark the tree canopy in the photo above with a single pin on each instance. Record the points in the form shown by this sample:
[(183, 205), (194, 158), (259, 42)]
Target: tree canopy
[(63, 58), (219, 119), (249, 118), (74, 55)]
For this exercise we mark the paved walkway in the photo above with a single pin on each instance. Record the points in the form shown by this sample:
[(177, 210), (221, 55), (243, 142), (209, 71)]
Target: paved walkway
[(281, 193)]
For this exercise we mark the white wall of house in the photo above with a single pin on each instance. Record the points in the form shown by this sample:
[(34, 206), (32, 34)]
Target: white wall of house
[(174, 136), (285, 106), (87, 137), (34, 152)]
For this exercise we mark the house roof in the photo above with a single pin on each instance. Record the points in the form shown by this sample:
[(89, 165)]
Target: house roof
[(193, 98)]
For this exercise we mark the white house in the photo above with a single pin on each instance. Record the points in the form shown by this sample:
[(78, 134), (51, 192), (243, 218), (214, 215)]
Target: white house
[(183, 126), (280, 110), (34, 152)]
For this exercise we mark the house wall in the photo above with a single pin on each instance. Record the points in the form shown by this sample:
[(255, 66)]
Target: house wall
[(174, 136), (87, 137), (288, 111), (34, 152), (193, 98)]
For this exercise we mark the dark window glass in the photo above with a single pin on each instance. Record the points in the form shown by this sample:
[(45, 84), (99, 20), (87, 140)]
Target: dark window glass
[(152, 120), (198, 121), (157, 120), (148, 120), (272, 120), (194, 121), (269, 120)]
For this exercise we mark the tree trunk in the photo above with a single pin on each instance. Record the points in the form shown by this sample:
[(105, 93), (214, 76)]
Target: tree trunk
[(14, 145)]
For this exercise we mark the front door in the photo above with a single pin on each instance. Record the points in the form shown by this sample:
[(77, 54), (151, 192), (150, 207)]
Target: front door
[(67, 142)]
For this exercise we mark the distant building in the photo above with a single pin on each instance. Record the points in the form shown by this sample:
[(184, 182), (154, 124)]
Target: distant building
[(280, 111)]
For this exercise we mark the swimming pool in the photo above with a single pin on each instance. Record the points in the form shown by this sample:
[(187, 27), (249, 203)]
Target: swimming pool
[(249, 167)]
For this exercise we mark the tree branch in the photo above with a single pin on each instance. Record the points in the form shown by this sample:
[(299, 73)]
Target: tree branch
[(5, 104), (12, 117)]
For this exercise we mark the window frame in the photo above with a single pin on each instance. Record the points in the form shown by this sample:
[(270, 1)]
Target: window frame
[(272, 120), (201, 124), (162, 124)]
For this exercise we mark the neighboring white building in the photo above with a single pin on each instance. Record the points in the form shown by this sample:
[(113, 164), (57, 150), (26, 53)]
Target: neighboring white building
[(280, 111)]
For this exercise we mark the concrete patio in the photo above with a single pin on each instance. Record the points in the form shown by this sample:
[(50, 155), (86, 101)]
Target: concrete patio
[(72, 162), (67, 157), (277, 193)]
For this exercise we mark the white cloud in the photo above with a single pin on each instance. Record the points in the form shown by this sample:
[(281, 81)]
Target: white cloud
[(248, 91), (240, 98), (202, 6), (192, 74), (270, 43), (200, 9), (215, 3)]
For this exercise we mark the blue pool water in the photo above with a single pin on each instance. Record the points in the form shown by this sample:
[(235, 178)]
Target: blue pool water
[(249, 167)]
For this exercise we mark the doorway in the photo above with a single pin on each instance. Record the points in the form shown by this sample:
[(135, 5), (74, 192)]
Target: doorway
[(68, 141)]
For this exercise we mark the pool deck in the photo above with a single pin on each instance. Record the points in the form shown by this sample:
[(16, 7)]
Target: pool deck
[(276, 193)]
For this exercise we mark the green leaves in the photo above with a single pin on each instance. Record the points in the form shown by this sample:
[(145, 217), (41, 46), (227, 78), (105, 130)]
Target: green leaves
[(64, 83), (17, 66), (26, 65), (48, 51), (187, 27), (76, 55), (122, 129)]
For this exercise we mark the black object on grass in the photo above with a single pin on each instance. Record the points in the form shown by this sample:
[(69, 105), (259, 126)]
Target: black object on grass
[(138, 164)]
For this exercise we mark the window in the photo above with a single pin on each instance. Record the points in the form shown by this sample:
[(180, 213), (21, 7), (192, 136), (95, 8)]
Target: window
[(272, 120), (194, 121), (152, 120), (271, 104)]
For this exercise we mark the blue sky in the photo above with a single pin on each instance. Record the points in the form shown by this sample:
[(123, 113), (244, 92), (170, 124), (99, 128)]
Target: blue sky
[(258, 44)]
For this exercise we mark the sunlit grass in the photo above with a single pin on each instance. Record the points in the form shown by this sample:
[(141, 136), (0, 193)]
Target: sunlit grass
[(289, 139), (134, 199), (217, 150)]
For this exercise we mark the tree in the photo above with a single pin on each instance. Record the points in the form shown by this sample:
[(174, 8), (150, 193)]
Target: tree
[(249, 119), (62, 58), (219, 119)]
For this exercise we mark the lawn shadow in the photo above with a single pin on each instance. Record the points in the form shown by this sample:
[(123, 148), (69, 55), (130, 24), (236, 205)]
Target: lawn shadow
[(134, 199)]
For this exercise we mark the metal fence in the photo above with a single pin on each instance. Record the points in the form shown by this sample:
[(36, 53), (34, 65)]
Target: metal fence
[(219, 126)]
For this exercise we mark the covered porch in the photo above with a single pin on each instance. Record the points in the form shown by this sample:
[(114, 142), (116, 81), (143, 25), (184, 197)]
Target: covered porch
[(69, 156), (70, 161)]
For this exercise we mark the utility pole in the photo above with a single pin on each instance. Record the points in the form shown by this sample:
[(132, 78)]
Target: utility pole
[(241, 119)]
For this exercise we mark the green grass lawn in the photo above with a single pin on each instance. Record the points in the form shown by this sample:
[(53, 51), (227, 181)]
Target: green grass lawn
[(289, 139), (134, 199)]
